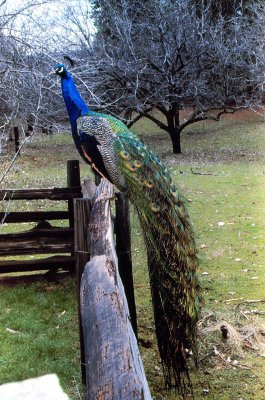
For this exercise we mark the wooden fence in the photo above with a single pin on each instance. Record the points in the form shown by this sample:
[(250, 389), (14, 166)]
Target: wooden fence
[(43, 238)]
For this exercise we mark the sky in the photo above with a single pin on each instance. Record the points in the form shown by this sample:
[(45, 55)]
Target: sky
[(47, 18)]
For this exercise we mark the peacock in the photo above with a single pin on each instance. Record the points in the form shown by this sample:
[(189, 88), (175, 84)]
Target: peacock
[(117, 154)]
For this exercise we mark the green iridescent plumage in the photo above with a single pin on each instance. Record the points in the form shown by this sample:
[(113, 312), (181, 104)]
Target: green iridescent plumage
[(169, 238)]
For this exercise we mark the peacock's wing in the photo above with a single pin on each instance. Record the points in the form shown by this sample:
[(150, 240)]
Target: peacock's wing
[(96, 137)]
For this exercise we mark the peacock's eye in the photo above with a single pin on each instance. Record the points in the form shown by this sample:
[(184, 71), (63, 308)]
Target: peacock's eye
[(60, 70)]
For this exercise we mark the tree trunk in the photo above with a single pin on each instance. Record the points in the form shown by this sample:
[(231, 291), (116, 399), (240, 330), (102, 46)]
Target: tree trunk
[(175, 139), (173, 128)]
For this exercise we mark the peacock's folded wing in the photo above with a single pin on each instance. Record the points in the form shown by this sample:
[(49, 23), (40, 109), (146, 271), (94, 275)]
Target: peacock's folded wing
[(96, 137)]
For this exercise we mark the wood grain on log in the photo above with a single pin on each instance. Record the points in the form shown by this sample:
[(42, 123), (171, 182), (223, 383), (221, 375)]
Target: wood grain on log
[(114, 368), (37, 241)]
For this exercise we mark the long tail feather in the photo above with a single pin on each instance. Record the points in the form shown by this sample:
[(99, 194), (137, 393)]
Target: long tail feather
[(172, 259)]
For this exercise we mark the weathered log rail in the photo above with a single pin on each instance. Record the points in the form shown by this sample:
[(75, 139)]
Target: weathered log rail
[(112, 364), (29, 216), (37, 194), (44, 238), (37, 241)]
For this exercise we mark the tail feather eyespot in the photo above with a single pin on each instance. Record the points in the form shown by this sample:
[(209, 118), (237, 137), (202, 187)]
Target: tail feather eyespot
[(125, 155), (139, 144), (175, 198), (138, 164), (164, 172), (148, 183), (173, 189), (140, 180), (155, 208), (152, 157), (130, 167)]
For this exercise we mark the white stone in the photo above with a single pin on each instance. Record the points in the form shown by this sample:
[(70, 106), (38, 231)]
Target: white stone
[(45, 387)]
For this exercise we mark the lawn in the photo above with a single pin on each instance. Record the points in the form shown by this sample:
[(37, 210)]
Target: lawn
[(221, 172)]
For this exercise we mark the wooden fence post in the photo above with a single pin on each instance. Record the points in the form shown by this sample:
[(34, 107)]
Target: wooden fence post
[(114, 368), (73, 179), (50, 130), (123, 249), (29, 131), (16, 135), (82, 209)]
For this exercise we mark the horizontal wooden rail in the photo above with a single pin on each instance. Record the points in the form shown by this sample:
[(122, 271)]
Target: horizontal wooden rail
[(36, 194), (8, 266), (38, 241), (33, 216), (43, 239)]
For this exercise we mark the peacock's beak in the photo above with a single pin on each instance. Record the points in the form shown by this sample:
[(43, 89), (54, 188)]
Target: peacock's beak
[(52, 72)]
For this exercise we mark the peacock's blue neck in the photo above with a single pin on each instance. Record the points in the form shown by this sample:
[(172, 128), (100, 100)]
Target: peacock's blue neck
[(75, 105)]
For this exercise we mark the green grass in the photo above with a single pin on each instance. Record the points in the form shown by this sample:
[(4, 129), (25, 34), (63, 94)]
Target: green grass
[(221, 172), (38, 333)]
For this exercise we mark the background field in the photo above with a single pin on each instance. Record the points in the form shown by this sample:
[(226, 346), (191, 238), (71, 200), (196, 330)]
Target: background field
[(222, 174)]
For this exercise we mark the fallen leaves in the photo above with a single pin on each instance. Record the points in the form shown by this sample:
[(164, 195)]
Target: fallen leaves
[(220, 224), (254, 311), (229, 342), (12, 331)]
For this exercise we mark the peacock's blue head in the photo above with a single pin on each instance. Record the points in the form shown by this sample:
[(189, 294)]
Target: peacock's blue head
[(60, 70)]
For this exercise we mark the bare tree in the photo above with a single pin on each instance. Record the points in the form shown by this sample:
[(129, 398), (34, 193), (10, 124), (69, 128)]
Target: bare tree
[(27, 51), (147, 58), (166, 56)]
